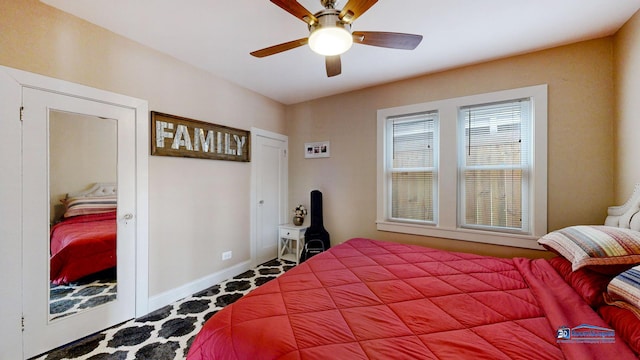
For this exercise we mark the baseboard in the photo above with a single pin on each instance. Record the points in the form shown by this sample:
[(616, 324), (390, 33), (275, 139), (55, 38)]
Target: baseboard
[(173, 295)]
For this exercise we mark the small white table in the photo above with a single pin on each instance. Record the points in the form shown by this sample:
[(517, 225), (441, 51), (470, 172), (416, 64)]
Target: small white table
[(290, 242)]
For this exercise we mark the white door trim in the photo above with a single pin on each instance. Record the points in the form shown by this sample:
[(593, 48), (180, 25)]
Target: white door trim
[(141, 107), (11, 220), (253, 206)]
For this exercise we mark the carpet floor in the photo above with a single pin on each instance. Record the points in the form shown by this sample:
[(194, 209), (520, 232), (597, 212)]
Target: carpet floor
[(167, 333)]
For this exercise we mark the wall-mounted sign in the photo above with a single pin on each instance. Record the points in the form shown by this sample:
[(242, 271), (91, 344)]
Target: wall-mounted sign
[(177, 136)]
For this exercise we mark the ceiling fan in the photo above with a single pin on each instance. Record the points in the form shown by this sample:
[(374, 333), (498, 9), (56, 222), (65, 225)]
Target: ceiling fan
[(330, 32)]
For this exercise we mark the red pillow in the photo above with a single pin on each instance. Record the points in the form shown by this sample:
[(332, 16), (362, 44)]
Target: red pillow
[(589, 284), (625, 323)]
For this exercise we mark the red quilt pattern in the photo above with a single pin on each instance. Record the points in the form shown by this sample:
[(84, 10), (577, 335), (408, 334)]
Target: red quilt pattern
[(367, 299)]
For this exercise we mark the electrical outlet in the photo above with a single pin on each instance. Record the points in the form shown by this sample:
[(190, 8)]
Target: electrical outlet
[(227, 255)]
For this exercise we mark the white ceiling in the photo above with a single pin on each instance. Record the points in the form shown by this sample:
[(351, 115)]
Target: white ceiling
[(217, 36)]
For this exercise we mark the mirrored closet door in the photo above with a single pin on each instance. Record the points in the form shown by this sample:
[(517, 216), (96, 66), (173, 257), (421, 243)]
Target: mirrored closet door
[(78, 217)]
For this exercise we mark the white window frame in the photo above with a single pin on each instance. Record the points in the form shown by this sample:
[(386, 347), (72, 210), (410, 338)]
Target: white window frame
[(447, 210)]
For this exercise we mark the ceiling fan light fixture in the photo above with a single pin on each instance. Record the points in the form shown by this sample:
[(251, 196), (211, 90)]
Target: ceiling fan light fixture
[(330, 36), (330, 41)]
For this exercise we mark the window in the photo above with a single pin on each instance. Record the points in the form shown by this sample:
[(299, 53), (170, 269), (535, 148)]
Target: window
[(494, 165), (412, 169), (470, 168)]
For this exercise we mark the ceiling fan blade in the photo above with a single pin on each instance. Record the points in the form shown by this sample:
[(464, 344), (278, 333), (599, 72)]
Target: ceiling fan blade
[(294, 8), (334, 65), (354, 8), (280, 48), (387, 39)]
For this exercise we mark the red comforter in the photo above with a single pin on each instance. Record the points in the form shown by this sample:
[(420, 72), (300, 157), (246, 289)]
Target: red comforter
[(82, 245), (367, 299)]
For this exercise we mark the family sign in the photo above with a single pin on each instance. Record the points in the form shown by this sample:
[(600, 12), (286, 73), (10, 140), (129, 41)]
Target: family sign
[(177, 136)]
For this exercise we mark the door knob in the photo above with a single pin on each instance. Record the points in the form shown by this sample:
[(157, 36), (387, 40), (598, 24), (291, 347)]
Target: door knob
[(126, 217), (261, 202)]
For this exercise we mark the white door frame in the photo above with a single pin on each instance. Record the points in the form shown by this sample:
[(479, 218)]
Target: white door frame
[(255, 132), (11, 220), (141, 107)]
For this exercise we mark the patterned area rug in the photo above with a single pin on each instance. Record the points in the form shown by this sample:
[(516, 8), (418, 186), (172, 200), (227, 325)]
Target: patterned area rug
[(167, 333)]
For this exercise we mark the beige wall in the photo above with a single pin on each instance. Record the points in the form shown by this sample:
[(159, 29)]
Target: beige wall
[(198, 208), (627, 126), (580, 79)]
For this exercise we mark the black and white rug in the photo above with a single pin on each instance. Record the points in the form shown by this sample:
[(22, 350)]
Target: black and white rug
[(167, 333), (88, 292)]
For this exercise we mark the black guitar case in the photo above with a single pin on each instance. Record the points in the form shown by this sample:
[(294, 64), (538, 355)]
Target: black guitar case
[(316, 238)]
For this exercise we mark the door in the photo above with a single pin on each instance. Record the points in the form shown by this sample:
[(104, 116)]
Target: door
[(270, 168), (43, 136)]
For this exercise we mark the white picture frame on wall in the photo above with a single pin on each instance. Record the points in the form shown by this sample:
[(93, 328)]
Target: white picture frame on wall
[(313, 150)]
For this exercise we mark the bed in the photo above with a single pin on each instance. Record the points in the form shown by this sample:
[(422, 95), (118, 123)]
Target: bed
[(369, 299), (84, 241)]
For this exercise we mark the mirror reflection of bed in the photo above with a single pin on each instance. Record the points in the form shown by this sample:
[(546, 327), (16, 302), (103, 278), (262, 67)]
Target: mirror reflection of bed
[(83, 251), (82, 213)]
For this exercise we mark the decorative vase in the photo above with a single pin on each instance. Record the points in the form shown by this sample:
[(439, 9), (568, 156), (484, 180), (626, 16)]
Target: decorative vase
[(298, 220)]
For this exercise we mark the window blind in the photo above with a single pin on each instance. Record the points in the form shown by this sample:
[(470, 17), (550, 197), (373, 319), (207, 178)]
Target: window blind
[(495, 164), (413, 158)]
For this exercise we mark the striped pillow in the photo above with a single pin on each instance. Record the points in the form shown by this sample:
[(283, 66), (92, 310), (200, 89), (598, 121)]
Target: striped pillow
[(89, 205), (624, 290), (595, 246)]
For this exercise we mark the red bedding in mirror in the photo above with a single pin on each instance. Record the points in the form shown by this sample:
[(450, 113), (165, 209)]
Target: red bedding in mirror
[(82, 245)]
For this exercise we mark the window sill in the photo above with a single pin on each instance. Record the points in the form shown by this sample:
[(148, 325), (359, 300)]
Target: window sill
[(485, 237)]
